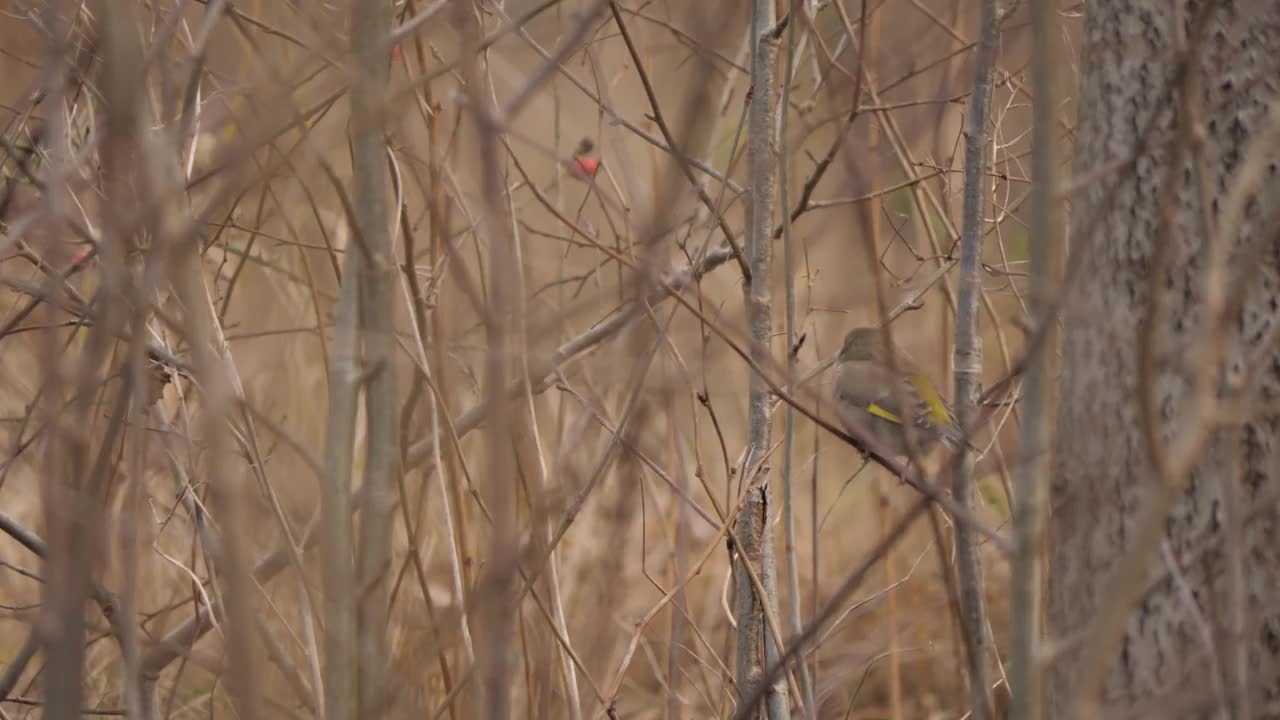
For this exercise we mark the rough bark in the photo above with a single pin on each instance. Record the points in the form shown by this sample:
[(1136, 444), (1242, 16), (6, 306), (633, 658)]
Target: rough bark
[(1143, 238)]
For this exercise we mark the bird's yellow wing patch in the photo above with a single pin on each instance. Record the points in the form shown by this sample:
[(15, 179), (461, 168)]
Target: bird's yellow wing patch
[(938, 414), (879, 411)]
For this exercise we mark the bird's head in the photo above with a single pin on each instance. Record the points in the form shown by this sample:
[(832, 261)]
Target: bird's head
[(863, 344)]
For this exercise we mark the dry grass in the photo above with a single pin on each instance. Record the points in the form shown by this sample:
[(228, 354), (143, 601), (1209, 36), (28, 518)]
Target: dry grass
[(267, 265)]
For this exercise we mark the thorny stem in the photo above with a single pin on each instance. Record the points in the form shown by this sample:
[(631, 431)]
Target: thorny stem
[(968, 366), (753, 542), (1034, 460), (369, 24)]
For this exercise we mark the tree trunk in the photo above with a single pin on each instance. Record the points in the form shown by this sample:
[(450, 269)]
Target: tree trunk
[(1191, 586)]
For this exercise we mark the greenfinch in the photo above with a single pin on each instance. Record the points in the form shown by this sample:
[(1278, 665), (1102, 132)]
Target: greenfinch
[(872, 396)]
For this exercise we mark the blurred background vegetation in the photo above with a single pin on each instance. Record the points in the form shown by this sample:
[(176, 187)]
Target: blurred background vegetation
[(222, 89)]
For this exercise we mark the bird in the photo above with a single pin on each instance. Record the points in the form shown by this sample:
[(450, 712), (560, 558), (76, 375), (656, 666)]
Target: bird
[(873, 396)]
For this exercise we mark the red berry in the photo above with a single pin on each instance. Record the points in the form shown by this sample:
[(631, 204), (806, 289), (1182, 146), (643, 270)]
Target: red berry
[(583, 167)]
